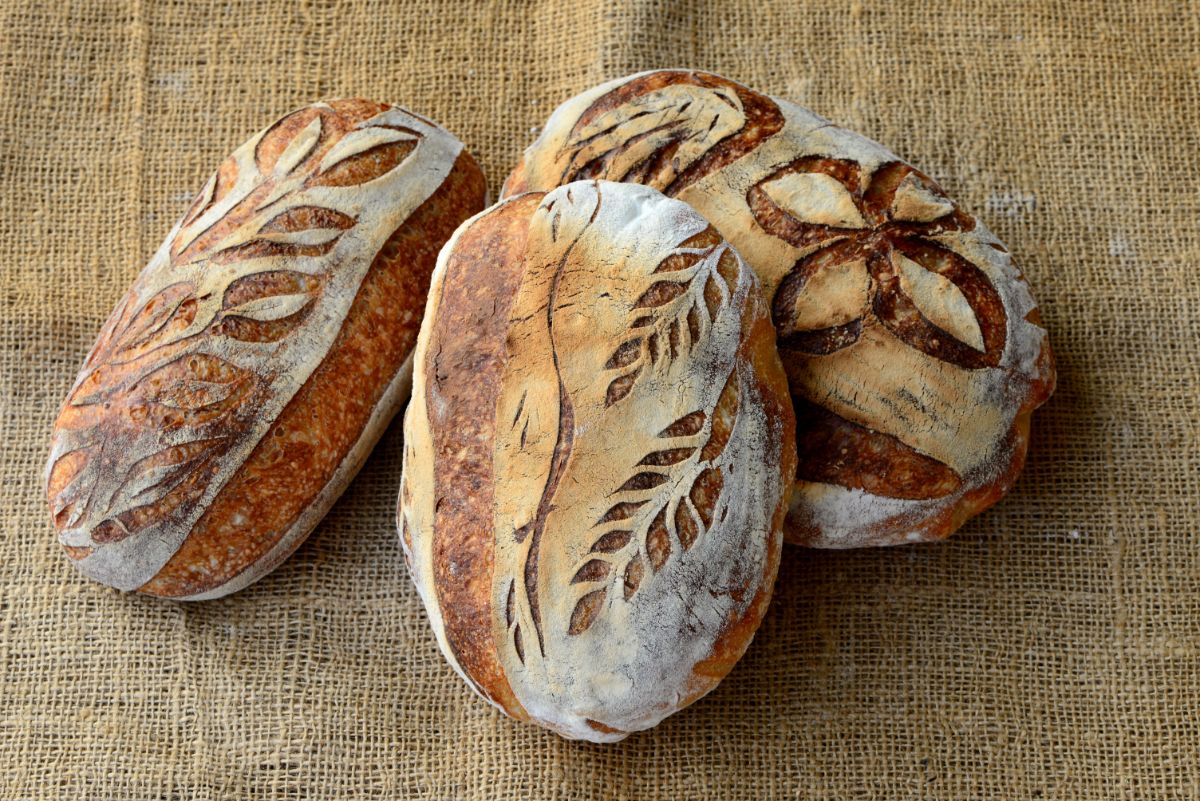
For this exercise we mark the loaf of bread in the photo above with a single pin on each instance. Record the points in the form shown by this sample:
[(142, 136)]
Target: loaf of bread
[(258, 357), (597, 457), (913, 347)]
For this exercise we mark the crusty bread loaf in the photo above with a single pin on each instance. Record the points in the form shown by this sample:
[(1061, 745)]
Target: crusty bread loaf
[(242, 381), (597, 457), (913, 347)]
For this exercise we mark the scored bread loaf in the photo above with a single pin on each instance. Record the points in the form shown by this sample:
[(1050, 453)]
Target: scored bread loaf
[(240, 384), (597, 457), (913, 347)]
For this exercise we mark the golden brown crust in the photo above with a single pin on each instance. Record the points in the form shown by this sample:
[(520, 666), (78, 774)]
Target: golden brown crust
[(313, 435), (257, 357), (835, 450), (463, 366), (898, 530)]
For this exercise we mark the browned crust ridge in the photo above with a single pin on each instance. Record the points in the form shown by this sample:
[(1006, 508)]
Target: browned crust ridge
[(464, 367), (299, 454)]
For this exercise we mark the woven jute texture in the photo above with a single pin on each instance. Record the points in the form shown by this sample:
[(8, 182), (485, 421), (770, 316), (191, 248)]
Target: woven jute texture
[(1049, 651)]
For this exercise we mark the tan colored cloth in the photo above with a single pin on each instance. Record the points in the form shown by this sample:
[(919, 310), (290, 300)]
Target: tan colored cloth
[(1050, 651)]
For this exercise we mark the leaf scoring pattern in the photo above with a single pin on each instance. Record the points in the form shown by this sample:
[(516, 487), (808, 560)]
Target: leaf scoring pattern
[(674, 313), (165, 393), (666, 129), (672, 502)]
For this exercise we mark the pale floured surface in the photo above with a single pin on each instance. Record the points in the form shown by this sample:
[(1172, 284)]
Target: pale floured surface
[(896, 310), (929, 398), (942, 303), (610, 651), (835, 296), (816, 198), (914, 202), (227, 364), (650, 121)]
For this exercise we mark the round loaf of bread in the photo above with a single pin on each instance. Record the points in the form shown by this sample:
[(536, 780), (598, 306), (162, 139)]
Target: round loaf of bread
[(913, 347), (240, 384), (597, 457)]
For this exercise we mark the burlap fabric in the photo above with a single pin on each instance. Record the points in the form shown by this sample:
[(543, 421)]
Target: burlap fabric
[(1050, 651)]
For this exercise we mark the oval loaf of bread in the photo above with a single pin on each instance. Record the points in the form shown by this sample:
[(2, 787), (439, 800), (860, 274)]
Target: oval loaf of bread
[(597, 457), (254, 363), (913, 347)]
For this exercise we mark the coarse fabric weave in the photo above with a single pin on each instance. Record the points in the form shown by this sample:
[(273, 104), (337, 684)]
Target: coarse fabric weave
[(1049, 651)]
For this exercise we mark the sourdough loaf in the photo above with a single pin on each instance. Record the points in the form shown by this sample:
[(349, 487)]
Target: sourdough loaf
[(243, 379), (914, 350), (597, 457)]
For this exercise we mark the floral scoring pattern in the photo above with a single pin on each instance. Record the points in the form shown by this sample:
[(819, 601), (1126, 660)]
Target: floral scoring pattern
[(873, 257)]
